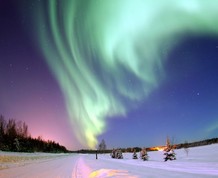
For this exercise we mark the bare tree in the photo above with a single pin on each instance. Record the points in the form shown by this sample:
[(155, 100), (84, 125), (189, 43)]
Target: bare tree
[(11, 128), (186, 147), (102, 146), (25, 130), (22, 129), (168, 143)]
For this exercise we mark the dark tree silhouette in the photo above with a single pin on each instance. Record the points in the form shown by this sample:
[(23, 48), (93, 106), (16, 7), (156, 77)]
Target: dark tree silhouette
[(14, 136), (102, 146)]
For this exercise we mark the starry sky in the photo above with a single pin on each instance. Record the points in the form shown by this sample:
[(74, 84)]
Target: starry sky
[(79, 71)]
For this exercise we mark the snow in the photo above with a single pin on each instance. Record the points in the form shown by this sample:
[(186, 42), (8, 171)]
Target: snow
[(201, 162)]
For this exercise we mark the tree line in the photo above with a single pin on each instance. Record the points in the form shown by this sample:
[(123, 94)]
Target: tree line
[(14, 136), (102, 148), (197, 143)]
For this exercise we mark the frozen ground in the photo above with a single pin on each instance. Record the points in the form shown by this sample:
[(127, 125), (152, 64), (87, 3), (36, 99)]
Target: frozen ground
[(200, 162)]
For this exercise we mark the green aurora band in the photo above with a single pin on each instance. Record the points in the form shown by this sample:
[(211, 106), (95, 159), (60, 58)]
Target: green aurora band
[(107, 54)]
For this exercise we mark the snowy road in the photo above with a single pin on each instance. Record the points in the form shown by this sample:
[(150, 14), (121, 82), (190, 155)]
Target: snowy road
[(54, 167), (199, 164)]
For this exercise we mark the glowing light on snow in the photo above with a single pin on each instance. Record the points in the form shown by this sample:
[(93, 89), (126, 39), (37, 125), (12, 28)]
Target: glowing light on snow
[(110, 173), (96, 48)]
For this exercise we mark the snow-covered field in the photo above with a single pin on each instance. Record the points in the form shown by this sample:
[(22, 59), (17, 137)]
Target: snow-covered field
[(200, 162)]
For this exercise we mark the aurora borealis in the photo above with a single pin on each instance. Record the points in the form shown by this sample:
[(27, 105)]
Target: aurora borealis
[(113, 61)]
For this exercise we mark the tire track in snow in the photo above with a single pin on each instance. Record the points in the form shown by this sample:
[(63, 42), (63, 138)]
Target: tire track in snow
[(81, 170)]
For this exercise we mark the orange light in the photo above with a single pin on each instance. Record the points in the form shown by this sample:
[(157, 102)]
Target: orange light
[(158, 148)]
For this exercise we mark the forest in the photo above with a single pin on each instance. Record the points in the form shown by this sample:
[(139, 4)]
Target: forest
[(15, 136)]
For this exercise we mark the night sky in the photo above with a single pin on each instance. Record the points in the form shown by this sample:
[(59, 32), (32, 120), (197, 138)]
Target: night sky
[(130, 73)]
